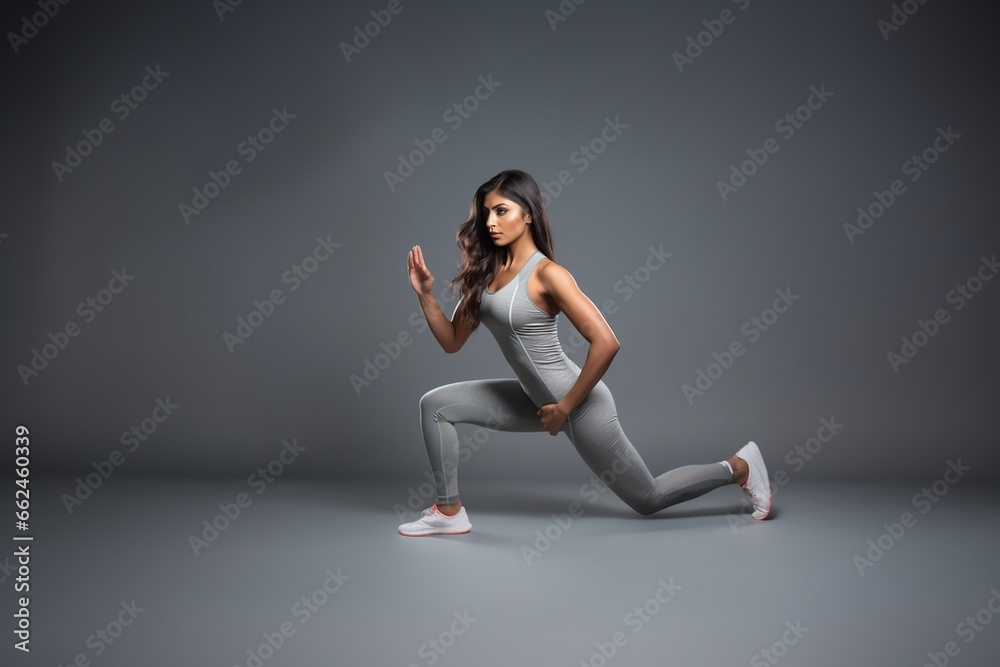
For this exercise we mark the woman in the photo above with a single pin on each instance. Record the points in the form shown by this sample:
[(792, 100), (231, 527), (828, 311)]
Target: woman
[(509, 281)]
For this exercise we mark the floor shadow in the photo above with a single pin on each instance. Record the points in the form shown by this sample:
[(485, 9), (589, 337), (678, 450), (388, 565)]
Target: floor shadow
[(535, 504)]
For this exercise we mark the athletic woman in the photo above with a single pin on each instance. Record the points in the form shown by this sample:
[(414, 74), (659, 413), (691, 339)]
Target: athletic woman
[(509, 280)]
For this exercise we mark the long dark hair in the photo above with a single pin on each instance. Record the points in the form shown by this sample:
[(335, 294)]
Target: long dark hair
[(481, 259)]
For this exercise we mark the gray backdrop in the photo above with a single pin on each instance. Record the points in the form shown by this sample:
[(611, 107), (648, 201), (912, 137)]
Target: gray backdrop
[(91, 191)]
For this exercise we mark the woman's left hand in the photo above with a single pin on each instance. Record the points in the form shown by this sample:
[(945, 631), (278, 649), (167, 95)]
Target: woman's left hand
[(553, 417)]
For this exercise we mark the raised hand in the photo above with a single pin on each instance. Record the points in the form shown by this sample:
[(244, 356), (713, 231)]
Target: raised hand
[(421, 279)]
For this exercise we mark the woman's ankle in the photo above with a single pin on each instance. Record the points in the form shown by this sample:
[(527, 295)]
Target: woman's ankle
[(449, 509), (741, 469)]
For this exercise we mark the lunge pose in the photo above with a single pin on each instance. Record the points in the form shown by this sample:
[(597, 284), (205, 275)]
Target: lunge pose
[(509, 281)]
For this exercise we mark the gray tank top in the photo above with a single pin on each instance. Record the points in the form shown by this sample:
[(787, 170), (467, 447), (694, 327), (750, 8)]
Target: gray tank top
[(528, 338)]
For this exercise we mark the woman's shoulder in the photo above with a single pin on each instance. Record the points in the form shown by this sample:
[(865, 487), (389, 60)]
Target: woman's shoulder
[(550, 271), (544, 265)]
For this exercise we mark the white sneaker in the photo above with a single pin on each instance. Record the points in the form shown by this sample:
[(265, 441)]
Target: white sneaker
[(757, 485), (434, 522)]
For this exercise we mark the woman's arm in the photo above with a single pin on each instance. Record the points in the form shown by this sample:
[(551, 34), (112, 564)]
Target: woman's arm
[(450, 336), (560, 285)]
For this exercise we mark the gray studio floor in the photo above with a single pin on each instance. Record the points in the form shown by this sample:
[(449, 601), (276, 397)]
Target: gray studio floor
[(314, 573)]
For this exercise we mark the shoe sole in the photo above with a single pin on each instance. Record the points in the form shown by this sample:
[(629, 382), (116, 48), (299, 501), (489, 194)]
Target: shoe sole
[(438, 532)]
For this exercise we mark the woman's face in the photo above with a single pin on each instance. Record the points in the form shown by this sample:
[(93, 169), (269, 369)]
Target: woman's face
[(504, 217)]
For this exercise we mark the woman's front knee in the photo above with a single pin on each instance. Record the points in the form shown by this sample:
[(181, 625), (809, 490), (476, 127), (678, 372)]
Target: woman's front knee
[(430, 401), (431, 404)]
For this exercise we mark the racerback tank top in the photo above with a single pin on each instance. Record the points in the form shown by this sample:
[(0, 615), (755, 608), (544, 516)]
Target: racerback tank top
[(528, 338)]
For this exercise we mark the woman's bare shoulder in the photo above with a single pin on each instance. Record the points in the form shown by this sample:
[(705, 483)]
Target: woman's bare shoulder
[(553, 275)]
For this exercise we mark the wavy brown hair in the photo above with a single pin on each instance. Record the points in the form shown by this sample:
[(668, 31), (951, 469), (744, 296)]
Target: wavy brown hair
[(481, 259)]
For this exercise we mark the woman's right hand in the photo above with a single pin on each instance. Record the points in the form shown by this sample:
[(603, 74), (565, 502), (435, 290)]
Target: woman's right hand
[(421, 279)]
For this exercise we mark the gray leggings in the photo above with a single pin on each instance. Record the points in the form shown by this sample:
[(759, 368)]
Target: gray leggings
[(502, 405)]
